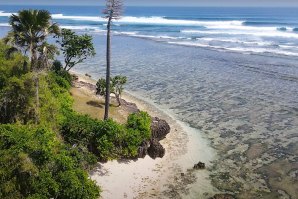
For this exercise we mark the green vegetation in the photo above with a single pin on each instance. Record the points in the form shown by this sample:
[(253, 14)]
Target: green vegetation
[(116, 87), (35, 164), (107, 139), (34, 161), (75, 48), (46, 148), (30, 29)]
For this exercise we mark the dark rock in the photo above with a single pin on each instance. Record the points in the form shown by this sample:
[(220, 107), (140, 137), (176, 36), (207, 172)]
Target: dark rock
[(156, 149), (142, 150), (87, 75), (200, 165), (159, 128), (75, 77), (182, 174), (223, 196)]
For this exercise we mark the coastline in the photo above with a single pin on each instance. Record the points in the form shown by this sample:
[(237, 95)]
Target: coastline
[(169, 177)]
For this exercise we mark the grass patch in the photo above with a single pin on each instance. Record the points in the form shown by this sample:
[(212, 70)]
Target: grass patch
[(86, 102)]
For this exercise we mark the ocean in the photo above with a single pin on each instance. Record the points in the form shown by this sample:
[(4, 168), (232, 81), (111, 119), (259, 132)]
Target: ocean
[(246, 30), (231, 73)]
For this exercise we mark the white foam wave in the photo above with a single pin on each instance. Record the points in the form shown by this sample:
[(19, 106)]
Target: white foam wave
[(151, 20), (245, 50), (78, 18), (157, 37), (90, 28), (237, 41), (4, 24), (260, 33), (126, 33), (5, 14)]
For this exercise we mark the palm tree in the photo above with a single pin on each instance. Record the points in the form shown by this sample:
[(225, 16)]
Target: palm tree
[(46, 52), (113, 11), (30, 29)]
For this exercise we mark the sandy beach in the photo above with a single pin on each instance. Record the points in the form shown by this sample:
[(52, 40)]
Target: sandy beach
[(169, 177)]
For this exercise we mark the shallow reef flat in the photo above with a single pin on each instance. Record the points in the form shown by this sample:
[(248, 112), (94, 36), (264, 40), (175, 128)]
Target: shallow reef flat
[(245, 104)]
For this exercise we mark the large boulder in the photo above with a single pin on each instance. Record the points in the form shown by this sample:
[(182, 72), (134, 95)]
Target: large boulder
[(156, 150), (159, 128)]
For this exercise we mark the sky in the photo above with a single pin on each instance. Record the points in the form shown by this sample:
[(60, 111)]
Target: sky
[(244, 3)]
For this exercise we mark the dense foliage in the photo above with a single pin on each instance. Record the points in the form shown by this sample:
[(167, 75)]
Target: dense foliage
[(107, 139), (34, 160), (17, 93), (35, 164), (30, 29)]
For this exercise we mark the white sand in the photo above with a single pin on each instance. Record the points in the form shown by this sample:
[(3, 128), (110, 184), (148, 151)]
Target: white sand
[(160, 178)]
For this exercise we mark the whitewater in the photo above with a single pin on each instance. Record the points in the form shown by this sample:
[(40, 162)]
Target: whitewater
[(259, 35)]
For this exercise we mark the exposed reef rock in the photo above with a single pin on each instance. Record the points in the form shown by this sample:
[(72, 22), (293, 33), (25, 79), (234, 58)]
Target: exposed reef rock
[(223, 196), (200, 165), (159, 128), (156, 150)]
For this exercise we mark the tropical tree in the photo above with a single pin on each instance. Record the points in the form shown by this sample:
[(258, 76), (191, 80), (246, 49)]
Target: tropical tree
[(46, 52), (116, 87), (112, 11), (30, 29), (75, 48)]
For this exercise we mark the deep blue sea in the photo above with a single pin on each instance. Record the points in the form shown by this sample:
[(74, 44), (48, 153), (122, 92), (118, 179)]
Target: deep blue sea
[(231, 73), (245, 30)]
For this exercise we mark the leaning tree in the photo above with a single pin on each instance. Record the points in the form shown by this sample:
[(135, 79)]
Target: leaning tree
[(112, 11), (75, 48)]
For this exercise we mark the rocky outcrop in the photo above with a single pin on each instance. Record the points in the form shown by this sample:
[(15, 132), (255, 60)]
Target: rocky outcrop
[(200, 165), (159, 128), (156, 150), (223, 196)]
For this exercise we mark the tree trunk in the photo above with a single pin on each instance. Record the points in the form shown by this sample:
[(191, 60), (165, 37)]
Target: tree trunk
[(37, 98), (33, 57), (118, 99), (36, 81), (108, 57)]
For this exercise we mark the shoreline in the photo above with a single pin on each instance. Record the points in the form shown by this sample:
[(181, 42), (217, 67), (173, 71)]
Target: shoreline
[(168, 177)]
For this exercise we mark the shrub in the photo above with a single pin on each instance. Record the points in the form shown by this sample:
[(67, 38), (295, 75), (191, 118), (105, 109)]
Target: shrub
[(16, 100), (141, 122), (107, 139), (34, 163)]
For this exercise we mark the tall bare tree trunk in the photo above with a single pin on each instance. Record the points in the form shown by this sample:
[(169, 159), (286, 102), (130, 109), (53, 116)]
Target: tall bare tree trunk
[(36, 81), (108, 75)]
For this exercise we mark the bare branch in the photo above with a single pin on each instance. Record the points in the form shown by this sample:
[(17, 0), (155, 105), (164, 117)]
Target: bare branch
[(114, 9)]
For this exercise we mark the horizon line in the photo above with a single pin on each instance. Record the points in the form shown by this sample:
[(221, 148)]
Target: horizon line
[(174, 6)]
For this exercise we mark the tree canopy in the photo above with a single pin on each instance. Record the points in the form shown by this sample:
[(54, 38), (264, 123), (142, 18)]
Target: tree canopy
[(116, 87), (75, 48), (30, 29)]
